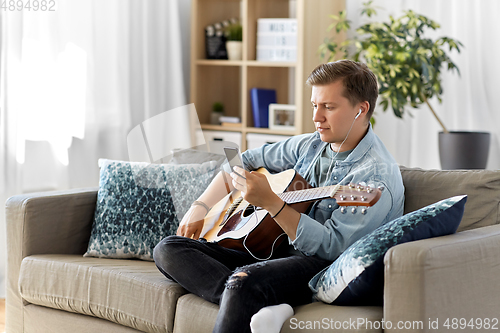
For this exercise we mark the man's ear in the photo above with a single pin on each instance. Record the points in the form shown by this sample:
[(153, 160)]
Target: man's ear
[(364, 107)]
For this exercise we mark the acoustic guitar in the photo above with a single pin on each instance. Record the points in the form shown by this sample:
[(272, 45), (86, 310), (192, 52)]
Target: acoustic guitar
[(236, 224)]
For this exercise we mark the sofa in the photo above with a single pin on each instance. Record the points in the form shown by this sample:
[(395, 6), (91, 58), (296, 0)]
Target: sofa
[(428, 283)]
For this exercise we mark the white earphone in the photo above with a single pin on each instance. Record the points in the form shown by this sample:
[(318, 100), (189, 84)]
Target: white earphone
[(359, 113)]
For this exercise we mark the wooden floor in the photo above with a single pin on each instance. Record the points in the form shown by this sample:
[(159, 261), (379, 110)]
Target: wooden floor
[(2, 315)]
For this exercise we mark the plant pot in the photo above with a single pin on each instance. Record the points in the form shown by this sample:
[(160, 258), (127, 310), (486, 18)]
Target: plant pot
[(464, 150), (234, 49), (214, 117)]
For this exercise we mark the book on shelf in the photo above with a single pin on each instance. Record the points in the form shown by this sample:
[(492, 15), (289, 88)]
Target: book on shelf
[(228, 119), (261, 98)]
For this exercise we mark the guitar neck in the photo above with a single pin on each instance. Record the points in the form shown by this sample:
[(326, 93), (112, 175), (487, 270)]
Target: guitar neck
[(310, 194)]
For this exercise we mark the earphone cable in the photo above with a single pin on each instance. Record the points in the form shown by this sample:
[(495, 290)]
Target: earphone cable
[(338, 151), (246, 236)]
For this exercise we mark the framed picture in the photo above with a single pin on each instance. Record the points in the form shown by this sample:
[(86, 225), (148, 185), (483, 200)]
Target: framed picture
[(282, 117)]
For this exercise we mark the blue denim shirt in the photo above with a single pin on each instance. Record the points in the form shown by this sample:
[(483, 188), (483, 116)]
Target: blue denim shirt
[(327, 230)]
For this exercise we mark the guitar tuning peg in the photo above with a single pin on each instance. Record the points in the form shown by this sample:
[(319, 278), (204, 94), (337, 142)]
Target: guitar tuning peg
[(342, 210), (381, 188), (354, 210), (363, 211)]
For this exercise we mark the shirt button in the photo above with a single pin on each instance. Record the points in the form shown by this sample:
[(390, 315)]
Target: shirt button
[(335, 178), (329, 206), (314, 147)]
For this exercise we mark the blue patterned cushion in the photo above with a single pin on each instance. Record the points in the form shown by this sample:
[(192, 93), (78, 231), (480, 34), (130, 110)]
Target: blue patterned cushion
[(138, 204), (357, 276)]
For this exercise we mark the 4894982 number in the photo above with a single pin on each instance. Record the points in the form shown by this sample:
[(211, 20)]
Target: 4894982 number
[(471, 324), (29, 5)]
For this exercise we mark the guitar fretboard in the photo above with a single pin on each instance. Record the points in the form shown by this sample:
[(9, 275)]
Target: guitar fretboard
[(309, 194)]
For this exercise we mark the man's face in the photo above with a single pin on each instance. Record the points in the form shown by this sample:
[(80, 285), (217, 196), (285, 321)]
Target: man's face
[(333, 113)]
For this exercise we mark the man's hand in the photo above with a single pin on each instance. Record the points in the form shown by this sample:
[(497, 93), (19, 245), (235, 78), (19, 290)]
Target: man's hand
[(192, 223), (255, 189)]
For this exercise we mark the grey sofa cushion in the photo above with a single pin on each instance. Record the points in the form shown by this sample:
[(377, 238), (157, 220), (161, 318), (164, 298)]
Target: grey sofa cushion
[(40, 319), (132, 293), (326, 317), (424, 187)]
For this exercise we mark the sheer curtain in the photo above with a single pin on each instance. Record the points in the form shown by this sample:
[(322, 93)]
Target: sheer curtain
[(74, 82), (468, 101)]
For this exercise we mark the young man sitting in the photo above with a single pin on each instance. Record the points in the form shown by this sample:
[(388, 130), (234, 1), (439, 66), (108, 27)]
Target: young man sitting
[(343, 150)]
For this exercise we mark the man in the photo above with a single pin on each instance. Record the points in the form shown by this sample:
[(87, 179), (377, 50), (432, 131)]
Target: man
[(343, 150)]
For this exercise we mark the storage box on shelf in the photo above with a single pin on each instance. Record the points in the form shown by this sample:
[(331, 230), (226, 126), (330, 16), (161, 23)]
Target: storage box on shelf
[(208, 135), (255, 140), (230, 81)]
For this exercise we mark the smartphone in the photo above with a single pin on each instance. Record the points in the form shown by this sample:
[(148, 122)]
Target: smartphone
[(233, 157)]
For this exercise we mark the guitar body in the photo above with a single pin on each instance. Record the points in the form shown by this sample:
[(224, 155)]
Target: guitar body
[(234, 224), (238, 218)]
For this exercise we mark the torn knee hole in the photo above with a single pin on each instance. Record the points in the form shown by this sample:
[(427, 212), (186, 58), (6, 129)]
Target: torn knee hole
[(235, 280)]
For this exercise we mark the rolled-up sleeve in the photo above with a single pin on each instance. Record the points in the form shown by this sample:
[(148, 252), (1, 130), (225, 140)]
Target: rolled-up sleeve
[(330, 239)]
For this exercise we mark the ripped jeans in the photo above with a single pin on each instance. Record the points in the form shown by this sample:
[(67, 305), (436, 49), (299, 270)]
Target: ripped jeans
[(240, 284)]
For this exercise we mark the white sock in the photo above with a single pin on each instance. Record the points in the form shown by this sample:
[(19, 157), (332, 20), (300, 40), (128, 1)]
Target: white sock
[(271, 318)]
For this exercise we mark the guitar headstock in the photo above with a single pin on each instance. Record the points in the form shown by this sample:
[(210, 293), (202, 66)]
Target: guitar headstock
[(357, 195)]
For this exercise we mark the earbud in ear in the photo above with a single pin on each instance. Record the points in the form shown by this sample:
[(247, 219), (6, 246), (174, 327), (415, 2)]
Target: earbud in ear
[(359, 113)]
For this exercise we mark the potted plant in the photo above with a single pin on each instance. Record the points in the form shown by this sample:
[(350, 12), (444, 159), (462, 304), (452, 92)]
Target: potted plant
[(234, 36), (217, 112), (408, 67)]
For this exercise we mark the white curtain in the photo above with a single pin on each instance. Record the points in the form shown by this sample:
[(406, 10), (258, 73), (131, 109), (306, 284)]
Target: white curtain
[(74, 82), (468, 101)]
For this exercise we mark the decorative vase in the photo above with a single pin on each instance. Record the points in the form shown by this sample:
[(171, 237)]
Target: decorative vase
[(464, 150), (234, 49)]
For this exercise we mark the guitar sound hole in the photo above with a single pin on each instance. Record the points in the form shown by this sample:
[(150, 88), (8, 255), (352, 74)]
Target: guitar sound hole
[(248, 211)]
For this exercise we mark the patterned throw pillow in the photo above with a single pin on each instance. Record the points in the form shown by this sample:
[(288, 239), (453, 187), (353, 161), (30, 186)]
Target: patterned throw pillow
[(357, 276), (138, 204)]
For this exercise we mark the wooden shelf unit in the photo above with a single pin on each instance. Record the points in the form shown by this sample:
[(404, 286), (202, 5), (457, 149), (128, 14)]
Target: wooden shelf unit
[(230, 82)]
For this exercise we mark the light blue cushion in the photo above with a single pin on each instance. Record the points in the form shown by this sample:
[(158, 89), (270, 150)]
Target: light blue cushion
[(357, 276), (138, 204)]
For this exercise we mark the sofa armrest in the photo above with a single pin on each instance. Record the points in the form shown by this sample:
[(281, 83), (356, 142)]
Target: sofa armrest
[(40, 223), (454, 276)]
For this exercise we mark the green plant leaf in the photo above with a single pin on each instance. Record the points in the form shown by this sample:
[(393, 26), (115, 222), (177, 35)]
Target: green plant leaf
[(406, 62)]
